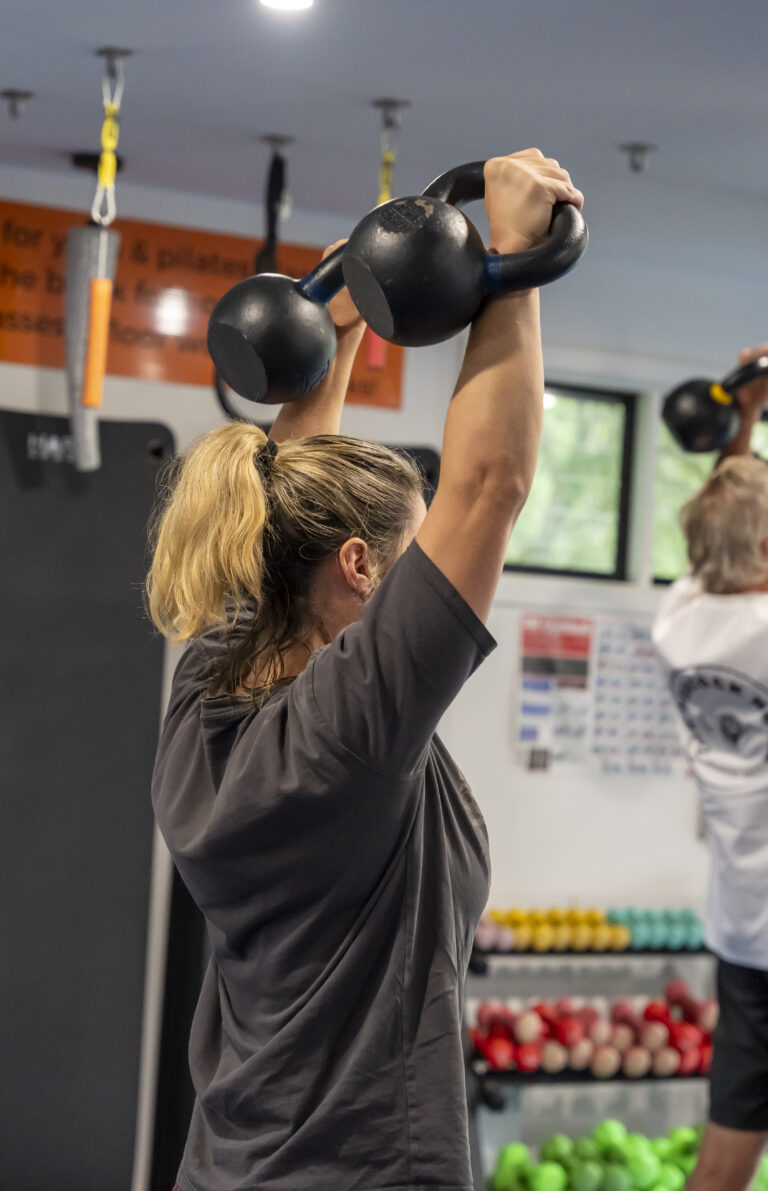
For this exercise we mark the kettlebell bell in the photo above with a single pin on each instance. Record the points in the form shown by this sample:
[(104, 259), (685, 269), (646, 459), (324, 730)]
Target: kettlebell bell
[(703, 415), (271, 337), (417, 268)]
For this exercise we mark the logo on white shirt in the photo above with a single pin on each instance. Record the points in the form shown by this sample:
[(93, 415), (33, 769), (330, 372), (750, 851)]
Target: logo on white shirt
[(725, 712)]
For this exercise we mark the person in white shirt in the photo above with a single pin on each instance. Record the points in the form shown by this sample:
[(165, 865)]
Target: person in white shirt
[(712, 637)]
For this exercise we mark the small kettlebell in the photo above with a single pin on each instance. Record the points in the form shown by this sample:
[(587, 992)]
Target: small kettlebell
[(271, 337), (417, 268), (703, 415)]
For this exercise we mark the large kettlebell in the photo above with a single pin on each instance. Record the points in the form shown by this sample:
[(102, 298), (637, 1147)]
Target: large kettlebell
[(703, 415), (271, 337), (418, 271)]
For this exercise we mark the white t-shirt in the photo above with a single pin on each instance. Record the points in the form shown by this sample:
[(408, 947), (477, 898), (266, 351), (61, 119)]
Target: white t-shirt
[(715, 651)]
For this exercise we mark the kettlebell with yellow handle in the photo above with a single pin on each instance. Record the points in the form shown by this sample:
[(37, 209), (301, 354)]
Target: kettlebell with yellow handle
[(703, 415)]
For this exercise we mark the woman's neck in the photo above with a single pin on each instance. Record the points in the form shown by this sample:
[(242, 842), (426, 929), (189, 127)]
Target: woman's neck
[(294, 660)]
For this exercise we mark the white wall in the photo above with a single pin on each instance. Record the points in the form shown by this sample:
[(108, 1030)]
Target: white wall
[(670, 286)]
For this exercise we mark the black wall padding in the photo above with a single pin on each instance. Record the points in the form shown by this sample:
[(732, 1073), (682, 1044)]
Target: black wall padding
[(81, 699)]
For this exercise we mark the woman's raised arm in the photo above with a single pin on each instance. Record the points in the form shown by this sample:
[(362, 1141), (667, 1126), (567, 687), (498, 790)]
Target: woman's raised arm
[(493, 426), (320, 411)]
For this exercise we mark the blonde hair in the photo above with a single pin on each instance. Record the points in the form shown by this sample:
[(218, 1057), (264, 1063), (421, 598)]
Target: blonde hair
[(725, 525), (242, 525)]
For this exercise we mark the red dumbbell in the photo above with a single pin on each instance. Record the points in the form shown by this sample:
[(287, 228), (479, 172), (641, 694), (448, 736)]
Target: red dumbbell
[(528, 1057)]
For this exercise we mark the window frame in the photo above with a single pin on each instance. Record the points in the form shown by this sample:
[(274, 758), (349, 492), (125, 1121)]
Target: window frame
[(628, 399)]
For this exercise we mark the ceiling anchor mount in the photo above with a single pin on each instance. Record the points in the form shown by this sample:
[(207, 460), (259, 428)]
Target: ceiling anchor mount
[(390, 111), (637, 153), (276, 140), (113, 56), (16, 100)]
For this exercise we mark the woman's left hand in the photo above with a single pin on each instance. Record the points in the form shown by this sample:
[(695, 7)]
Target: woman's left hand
[(341, 307)]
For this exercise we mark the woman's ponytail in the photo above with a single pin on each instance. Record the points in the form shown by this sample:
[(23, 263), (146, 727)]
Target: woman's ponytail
[(208, 535), (243, 527)]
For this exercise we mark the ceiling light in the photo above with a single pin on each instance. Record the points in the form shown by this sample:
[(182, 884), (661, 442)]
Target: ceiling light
[(288, 5)]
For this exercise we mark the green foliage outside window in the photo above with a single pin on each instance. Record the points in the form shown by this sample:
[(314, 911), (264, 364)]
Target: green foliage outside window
[(571, 521), (678, 475)]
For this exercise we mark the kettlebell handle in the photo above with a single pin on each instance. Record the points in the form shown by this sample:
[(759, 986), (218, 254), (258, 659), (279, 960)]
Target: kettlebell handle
[(463, 184), (744, 374), (555, 256), (325, 280)]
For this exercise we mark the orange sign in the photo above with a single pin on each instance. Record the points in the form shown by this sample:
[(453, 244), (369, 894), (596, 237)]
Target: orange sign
[(168, 281)]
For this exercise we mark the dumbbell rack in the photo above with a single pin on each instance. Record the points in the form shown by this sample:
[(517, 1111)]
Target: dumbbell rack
[(510, 1106)]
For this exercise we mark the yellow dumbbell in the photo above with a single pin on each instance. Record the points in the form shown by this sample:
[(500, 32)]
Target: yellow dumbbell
[(522, 938), (602, 936), (543, 937), (563, 938), (621, 937), (595, 917), (582, 938)]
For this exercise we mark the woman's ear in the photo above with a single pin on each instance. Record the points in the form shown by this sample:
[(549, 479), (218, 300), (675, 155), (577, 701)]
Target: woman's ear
[(356, 566)]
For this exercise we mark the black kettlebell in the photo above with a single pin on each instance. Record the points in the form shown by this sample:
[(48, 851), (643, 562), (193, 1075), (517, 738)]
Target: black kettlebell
[(418, 271), (271, 337), (703, 415)]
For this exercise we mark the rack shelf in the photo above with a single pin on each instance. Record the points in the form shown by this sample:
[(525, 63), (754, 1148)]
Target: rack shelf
[(528, 1079), (480, 957)]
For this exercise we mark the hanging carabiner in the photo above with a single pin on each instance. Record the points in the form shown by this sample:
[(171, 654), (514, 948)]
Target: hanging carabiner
[(104, 207)]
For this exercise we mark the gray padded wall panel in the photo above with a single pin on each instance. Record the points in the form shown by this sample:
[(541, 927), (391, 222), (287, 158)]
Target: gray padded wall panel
[(81, 681)]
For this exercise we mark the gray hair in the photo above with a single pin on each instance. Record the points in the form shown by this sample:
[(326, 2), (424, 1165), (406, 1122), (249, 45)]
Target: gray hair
[(726, 527)]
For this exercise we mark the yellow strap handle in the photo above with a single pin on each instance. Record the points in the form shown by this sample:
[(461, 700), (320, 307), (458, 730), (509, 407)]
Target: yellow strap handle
[(98, 341), (110, 134), (385, 176)]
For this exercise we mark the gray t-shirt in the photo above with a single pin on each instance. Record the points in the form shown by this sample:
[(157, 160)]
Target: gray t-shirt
[(341, 864)]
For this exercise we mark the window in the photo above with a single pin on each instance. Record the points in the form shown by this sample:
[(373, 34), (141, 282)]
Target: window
[(678, 475), (575, 520)]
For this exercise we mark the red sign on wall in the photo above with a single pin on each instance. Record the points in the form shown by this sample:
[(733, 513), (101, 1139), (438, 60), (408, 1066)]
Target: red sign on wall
[(168, 281)]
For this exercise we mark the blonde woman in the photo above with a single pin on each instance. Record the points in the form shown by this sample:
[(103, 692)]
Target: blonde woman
[(712, 635), (320, 824)]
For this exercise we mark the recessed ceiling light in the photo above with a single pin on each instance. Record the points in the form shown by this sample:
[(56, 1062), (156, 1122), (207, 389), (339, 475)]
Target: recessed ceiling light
[(288, 5)]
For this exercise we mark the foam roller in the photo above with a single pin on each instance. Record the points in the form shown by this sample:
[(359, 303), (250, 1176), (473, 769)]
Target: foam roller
[(91, 264)]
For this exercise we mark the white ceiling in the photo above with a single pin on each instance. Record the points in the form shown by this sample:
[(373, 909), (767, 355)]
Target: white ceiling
[(576, 77)]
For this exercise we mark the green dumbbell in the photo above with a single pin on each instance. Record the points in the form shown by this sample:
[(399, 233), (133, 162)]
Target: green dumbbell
[(616, 1178), (587, 1149), (662, 1148), (512, 1161), (557, 1148), (587, 1176), (671, 1178), (547, 1176)]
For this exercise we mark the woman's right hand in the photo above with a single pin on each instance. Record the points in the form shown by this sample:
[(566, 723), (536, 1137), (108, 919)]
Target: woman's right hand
[(520, 191)]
